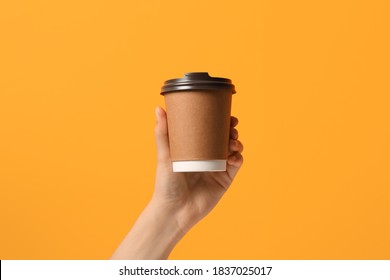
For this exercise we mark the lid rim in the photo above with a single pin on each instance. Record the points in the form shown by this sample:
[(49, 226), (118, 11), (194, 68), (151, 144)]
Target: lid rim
[(195, 89), (197, 81)]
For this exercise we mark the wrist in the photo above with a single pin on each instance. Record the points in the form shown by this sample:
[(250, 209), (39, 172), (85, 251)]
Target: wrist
[(165, 217), (153, 236), (180, 214)]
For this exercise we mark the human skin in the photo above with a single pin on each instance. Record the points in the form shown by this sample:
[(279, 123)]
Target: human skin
[(179, 201)]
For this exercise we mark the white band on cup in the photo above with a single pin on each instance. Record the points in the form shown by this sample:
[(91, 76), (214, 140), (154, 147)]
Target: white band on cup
[(199, 165)]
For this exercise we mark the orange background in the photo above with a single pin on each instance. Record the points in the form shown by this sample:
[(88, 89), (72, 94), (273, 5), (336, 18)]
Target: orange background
[(79, 81)]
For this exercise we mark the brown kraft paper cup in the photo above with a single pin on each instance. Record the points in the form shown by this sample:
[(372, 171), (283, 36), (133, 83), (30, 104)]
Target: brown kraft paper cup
[(198, 111)]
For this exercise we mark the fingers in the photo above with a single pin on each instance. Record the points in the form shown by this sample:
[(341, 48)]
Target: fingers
[(234, 164), (235, 159), (235, 146), (161, 134), (233, 133), (233, 121)]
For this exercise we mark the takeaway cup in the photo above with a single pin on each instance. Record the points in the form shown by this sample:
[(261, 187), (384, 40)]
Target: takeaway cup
[(198, 111)]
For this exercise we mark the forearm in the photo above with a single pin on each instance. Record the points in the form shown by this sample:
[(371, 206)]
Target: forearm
[(153, 236)]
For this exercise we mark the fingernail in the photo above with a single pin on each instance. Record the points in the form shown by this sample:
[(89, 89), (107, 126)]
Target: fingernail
[(157, 110)]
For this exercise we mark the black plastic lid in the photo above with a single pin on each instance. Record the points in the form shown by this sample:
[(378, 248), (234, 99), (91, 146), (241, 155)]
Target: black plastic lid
[(197, 81)]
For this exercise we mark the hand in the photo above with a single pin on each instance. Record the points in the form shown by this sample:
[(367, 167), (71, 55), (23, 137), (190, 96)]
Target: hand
[(179, 200), (191, 195)]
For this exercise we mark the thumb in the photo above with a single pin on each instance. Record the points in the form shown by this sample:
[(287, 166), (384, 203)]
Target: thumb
[(161, 134)]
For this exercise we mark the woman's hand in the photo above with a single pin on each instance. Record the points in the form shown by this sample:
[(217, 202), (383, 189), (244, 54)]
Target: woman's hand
[(191, 195), (179, 200)]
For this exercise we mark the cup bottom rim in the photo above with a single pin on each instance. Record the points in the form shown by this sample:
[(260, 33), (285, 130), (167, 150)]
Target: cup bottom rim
[(199, 165)]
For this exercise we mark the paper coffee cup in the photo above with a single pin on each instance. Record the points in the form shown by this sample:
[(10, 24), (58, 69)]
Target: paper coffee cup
[(198, 110)]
